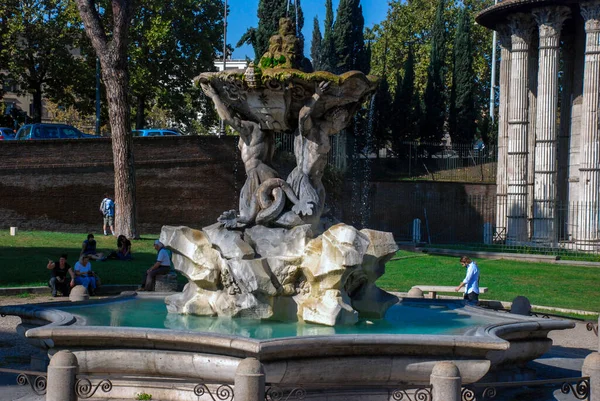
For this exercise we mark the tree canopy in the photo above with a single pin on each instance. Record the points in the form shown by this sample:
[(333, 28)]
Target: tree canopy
[(39, 47), (170, 43)]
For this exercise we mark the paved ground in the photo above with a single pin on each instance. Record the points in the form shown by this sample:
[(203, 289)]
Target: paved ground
[(564, 359)]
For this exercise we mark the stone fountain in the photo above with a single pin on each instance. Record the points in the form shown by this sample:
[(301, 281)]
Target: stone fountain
[(274, 258)]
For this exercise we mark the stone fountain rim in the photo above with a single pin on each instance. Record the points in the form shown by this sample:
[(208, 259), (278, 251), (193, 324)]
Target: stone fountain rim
[(63, 329)]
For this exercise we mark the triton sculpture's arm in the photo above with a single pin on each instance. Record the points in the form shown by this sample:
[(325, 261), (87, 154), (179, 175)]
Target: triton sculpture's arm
[(308, 109), (222, 109)]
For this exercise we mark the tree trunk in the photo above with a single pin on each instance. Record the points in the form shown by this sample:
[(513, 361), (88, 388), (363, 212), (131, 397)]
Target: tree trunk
[(116, 82), (113, 59), (140, 116), (36, 114)]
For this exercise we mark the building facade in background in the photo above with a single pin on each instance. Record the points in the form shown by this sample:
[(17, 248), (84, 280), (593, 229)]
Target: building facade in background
[(548, 182)]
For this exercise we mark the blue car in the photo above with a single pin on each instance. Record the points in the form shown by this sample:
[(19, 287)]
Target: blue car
[(7, 134), (50, 131), (155, 132)]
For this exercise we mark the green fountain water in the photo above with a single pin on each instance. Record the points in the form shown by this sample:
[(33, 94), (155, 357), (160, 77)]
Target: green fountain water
[(405, 318)]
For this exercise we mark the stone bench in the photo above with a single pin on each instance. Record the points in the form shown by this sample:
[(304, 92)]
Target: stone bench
[(434, 289), (166, 282)]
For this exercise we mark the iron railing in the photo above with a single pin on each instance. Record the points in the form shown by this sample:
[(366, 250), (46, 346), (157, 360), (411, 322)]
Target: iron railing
[(579, 387)]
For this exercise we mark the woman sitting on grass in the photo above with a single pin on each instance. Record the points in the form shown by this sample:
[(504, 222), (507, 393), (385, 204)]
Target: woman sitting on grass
[(124, 249), (88, 248), (85, 276)]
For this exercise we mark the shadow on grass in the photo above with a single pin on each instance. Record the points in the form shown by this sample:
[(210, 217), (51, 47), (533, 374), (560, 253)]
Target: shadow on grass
[(27, 266)]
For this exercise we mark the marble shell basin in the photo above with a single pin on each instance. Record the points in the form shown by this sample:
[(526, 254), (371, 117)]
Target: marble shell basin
[(274, 98), (344, 359)]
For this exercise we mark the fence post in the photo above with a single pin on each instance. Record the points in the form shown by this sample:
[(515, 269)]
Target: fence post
[(591, 368), (416, 234), (249, 381), (487, 233), (445, 382), (61, 377)]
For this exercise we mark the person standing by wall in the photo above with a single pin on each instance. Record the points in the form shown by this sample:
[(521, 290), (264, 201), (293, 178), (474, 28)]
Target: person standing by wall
[(471, 281), (162, 266), (107, 208)]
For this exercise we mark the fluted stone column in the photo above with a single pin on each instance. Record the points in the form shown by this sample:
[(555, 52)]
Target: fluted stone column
[(533, 87), (589, 166), (521, 31), (501, 178), (564, 134), (550, 21)]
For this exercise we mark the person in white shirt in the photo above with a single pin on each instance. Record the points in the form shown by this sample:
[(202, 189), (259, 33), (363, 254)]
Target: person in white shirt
[(162, 266), (471, 281)]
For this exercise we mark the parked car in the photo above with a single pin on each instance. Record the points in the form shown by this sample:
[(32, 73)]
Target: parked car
[(7, 134), (50, 131), (445, 154), (155, 132)]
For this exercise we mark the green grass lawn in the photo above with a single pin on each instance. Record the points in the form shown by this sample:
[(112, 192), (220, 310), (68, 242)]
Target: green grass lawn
[(23, 260), (543, 283)]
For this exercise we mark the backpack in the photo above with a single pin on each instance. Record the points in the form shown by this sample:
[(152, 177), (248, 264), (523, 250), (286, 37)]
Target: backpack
[(105, 206)]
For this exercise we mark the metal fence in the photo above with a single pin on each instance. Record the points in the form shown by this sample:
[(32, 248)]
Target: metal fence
[(415, 160), (440, 162), (563, 229)]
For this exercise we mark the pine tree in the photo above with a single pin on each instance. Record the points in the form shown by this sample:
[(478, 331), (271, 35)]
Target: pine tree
[(328, 59), (269, 13), (315, 46), (434, 102), (462, 106), (348, 38)]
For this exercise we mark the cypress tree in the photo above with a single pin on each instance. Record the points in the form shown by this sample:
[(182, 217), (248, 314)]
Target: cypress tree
[(327, 59), (315, 46), (269, 13), (433, 123), (381, 118), (462, 106), (406, 104), (348, 38)]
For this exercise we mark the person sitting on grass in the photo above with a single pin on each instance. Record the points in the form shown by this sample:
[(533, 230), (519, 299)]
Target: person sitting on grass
[(85, 276), (123, 249), (161, 267), (60, 271), (88, 248)]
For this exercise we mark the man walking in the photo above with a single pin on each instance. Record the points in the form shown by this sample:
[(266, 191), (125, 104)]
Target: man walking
[(107, 207), (471, 281)]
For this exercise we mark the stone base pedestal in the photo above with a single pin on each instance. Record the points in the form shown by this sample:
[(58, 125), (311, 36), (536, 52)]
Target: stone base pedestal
[(283, 274), (166, 283)]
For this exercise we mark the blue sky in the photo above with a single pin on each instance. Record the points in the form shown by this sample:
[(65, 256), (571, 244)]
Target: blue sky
[(242, 15)]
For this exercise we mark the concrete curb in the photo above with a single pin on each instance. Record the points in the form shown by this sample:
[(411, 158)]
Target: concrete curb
[(501, 255), (508, 305), (110, 289)]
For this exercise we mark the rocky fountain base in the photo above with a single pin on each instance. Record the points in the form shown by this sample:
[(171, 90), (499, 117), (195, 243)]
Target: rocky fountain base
[(281, 274)]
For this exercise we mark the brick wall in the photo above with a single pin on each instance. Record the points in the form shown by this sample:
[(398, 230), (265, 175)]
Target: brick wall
[(449, 212), (58, 186)]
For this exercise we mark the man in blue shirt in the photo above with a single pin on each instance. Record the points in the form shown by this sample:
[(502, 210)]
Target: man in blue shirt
[(471, 281), (107, 207)]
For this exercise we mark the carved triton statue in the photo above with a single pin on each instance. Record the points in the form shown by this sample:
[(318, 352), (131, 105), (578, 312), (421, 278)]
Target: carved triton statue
[(269, 259), (275, 96)]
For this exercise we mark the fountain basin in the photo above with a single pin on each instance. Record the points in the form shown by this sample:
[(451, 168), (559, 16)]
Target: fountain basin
[(496, 340)]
